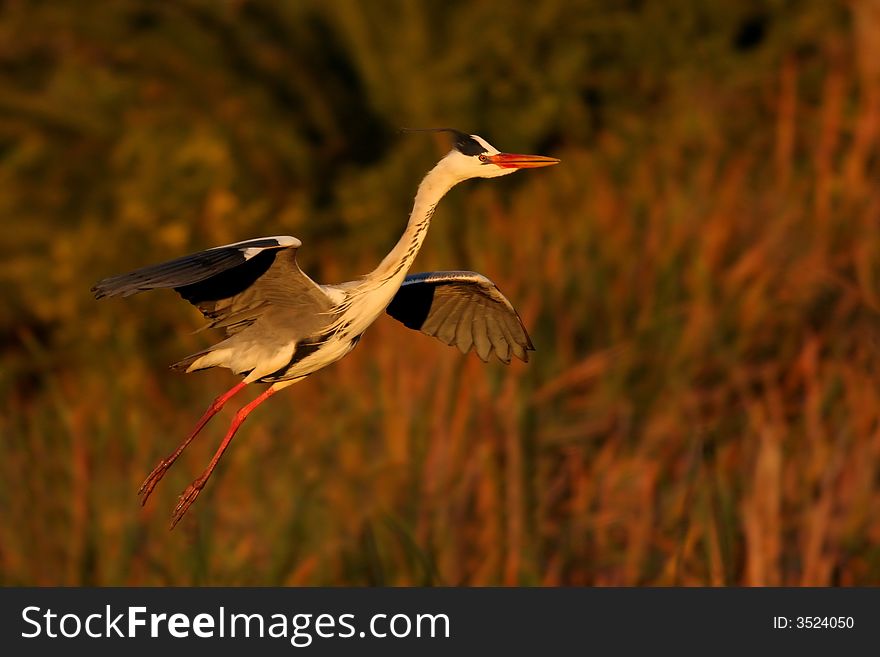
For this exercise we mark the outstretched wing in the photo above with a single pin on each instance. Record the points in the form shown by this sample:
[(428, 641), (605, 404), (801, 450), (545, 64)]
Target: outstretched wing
[(236, 284), (464, 309)]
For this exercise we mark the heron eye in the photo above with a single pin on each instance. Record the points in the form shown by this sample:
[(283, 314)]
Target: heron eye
[(484, 158)]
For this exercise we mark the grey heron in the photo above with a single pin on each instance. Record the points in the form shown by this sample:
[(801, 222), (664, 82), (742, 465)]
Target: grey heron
[(282, 326)]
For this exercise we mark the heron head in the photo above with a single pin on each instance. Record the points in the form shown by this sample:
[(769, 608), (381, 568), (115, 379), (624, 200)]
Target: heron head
[(474, 157)]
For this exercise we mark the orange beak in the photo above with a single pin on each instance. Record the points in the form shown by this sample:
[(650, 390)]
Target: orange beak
[(517, 161)]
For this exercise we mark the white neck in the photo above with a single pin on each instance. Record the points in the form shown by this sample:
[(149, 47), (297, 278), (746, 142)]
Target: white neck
[(374, 292), (433, 187)]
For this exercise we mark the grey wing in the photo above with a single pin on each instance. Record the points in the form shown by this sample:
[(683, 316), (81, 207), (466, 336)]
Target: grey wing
[(236, 284), (464, 309)]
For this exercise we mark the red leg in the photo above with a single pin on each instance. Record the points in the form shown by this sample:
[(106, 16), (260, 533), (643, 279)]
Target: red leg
[(192, 491), (160, 470)]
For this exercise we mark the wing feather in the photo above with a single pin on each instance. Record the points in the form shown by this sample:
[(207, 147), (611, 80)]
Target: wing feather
[(464, 309), (191, 269), (438, 315), (464, 337), (254, 290), (447, 330), (511, 330), (481, 338), (496, 335)]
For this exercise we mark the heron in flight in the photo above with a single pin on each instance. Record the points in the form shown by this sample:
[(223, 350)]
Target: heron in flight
[(282, 326)]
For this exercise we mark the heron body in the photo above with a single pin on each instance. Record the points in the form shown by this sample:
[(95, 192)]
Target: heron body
[(281, 326)]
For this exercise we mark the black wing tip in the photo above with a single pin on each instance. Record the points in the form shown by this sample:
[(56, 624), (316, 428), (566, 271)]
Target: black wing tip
[(101, 291), (105, 289), (194, 268)]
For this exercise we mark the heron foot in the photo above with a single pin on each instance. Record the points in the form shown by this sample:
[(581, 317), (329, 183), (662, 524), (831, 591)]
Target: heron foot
[(186, 500), (152, 479)]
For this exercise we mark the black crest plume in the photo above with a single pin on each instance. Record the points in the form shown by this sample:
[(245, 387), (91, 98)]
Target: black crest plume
[(464, 143)]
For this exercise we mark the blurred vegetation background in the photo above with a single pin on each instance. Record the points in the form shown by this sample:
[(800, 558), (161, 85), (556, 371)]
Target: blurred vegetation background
[(701, 278)]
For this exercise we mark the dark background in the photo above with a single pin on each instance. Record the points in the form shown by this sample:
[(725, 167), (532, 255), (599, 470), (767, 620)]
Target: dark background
[(701, 277)]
